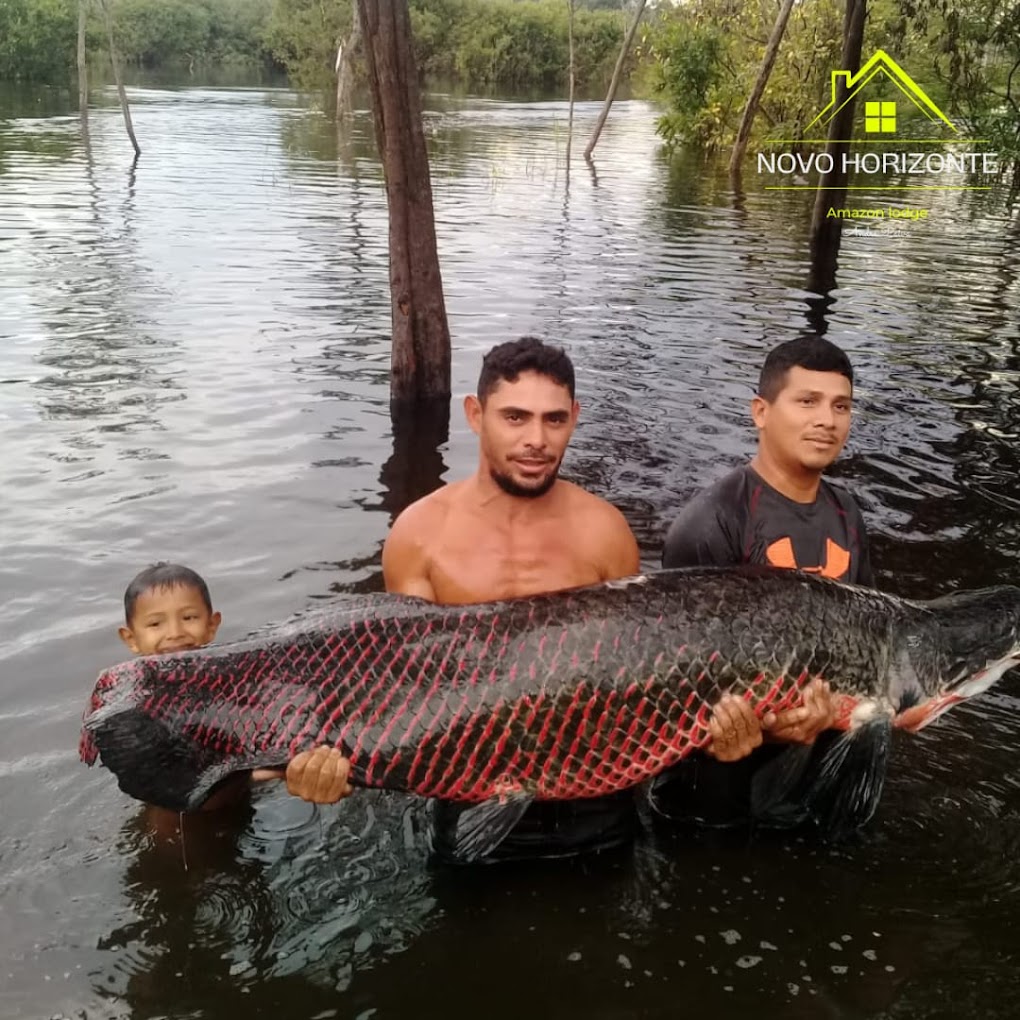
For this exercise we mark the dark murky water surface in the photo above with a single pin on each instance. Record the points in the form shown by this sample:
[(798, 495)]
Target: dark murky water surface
[(194, 366)]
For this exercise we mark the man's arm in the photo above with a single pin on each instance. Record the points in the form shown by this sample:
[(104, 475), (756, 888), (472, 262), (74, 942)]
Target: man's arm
[(404, 558), (620, 556)]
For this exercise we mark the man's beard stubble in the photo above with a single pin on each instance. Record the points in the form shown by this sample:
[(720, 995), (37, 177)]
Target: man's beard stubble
[(511, 488)]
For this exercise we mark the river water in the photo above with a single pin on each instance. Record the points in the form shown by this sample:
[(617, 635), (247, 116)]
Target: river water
[(194, 367)]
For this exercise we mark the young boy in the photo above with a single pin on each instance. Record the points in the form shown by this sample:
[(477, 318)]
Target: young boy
[(167, 608)]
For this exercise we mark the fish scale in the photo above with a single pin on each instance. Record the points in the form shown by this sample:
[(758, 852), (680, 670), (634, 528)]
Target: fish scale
[(568, 695)]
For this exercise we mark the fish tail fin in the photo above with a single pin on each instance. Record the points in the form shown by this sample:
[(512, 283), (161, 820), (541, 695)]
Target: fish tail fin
[(847, 787), (152, 765)]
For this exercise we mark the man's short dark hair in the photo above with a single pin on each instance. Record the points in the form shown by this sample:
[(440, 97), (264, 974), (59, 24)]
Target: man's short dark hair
[(814, 353), (163, 575), (505, 363)]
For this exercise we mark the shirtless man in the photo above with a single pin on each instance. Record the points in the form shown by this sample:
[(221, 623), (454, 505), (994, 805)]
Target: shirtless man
[(515, 528)]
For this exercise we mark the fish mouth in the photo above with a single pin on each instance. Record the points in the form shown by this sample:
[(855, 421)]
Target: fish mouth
[(916, 716)]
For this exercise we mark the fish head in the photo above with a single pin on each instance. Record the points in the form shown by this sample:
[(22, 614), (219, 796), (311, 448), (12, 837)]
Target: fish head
[(976, 639)]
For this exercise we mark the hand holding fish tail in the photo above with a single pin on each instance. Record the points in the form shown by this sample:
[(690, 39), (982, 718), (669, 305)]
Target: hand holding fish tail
[(319, 776), (734, 728), (803, 724)]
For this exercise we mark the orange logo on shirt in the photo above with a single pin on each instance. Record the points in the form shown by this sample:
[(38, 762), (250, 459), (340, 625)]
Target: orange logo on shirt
[(837, 559)]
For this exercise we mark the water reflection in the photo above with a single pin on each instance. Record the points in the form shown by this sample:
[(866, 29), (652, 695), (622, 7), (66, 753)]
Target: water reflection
[(278, 900)]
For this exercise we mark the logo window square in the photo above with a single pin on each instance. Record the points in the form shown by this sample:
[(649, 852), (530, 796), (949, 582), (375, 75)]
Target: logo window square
[(879, 118)]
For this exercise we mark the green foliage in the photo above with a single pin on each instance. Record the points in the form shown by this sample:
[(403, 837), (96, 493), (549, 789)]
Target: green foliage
[(162, 32), (688, 70), (512, 43), (303, 36), (971, 55), (37, 39), (702, 58)]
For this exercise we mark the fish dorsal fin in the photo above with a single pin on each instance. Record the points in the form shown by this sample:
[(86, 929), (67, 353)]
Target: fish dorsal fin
[(482, 827)]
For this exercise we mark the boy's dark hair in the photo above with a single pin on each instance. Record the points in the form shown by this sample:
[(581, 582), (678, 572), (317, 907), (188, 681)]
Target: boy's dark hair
[(163, 575), (814, 353), (529, 354)]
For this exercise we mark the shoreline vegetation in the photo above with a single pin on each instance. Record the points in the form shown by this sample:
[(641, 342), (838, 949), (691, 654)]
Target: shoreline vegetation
[(699, 60)]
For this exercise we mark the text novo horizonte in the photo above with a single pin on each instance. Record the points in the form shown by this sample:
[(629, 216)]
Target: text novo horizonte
[(879, 162)]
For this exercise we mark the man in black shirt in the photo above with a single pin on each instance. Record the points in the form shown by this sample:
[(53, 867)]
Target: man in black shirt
[(776, 510)]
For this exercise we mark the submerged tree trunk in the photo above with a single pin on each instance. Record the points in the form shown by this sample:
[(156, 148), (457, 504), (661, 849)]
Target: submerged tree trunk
[(345, 66), (826, 231), (570, 77), (614, 83), (421, 337), (83, 77), (771, 52), (115, 62)]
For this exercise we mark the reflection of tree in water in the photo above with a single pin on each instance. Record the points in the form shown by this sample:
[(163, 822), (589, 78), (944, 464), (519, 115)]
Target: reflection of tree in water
[(105, 365), (413, 470), (355, 368), (270, 913)]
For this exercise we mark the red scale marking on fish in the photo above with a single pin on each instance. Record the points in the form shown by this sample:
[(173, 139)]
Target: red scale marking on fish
[(331, 706), (263, 683), (579, 779), (365, 731), (439, 673), (594, 756), (637, 756), (551, 671), (381, 671), (222, 717), (273, 708), (451, 775), (560, 758), (497, 757), (347, 715), (473, 722), (243, 679), (323, 708), (413, 689), (433, 701), (614, 747), (534, 705), (571, 779), (304, 715), (543, 733), (469, 774), (429, 786), (275, 696)]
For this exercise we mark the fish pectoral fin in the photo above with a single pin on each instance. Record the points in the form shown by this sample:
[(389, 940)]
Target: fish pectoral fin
[(847, 787), (482, 827), (775, 785)]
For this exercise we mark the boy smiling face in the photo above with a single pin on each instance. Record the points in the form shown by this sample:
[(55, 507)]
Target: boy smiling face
[(169, 618)]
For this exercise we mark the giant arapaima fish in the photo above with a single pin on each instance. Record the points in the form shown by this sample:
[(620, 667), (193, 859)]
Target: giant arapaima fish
[(560, 696)]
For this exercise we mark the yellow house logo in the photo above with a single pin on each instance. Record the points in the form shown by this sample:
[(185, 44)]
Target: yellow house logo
[(880, 118)]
